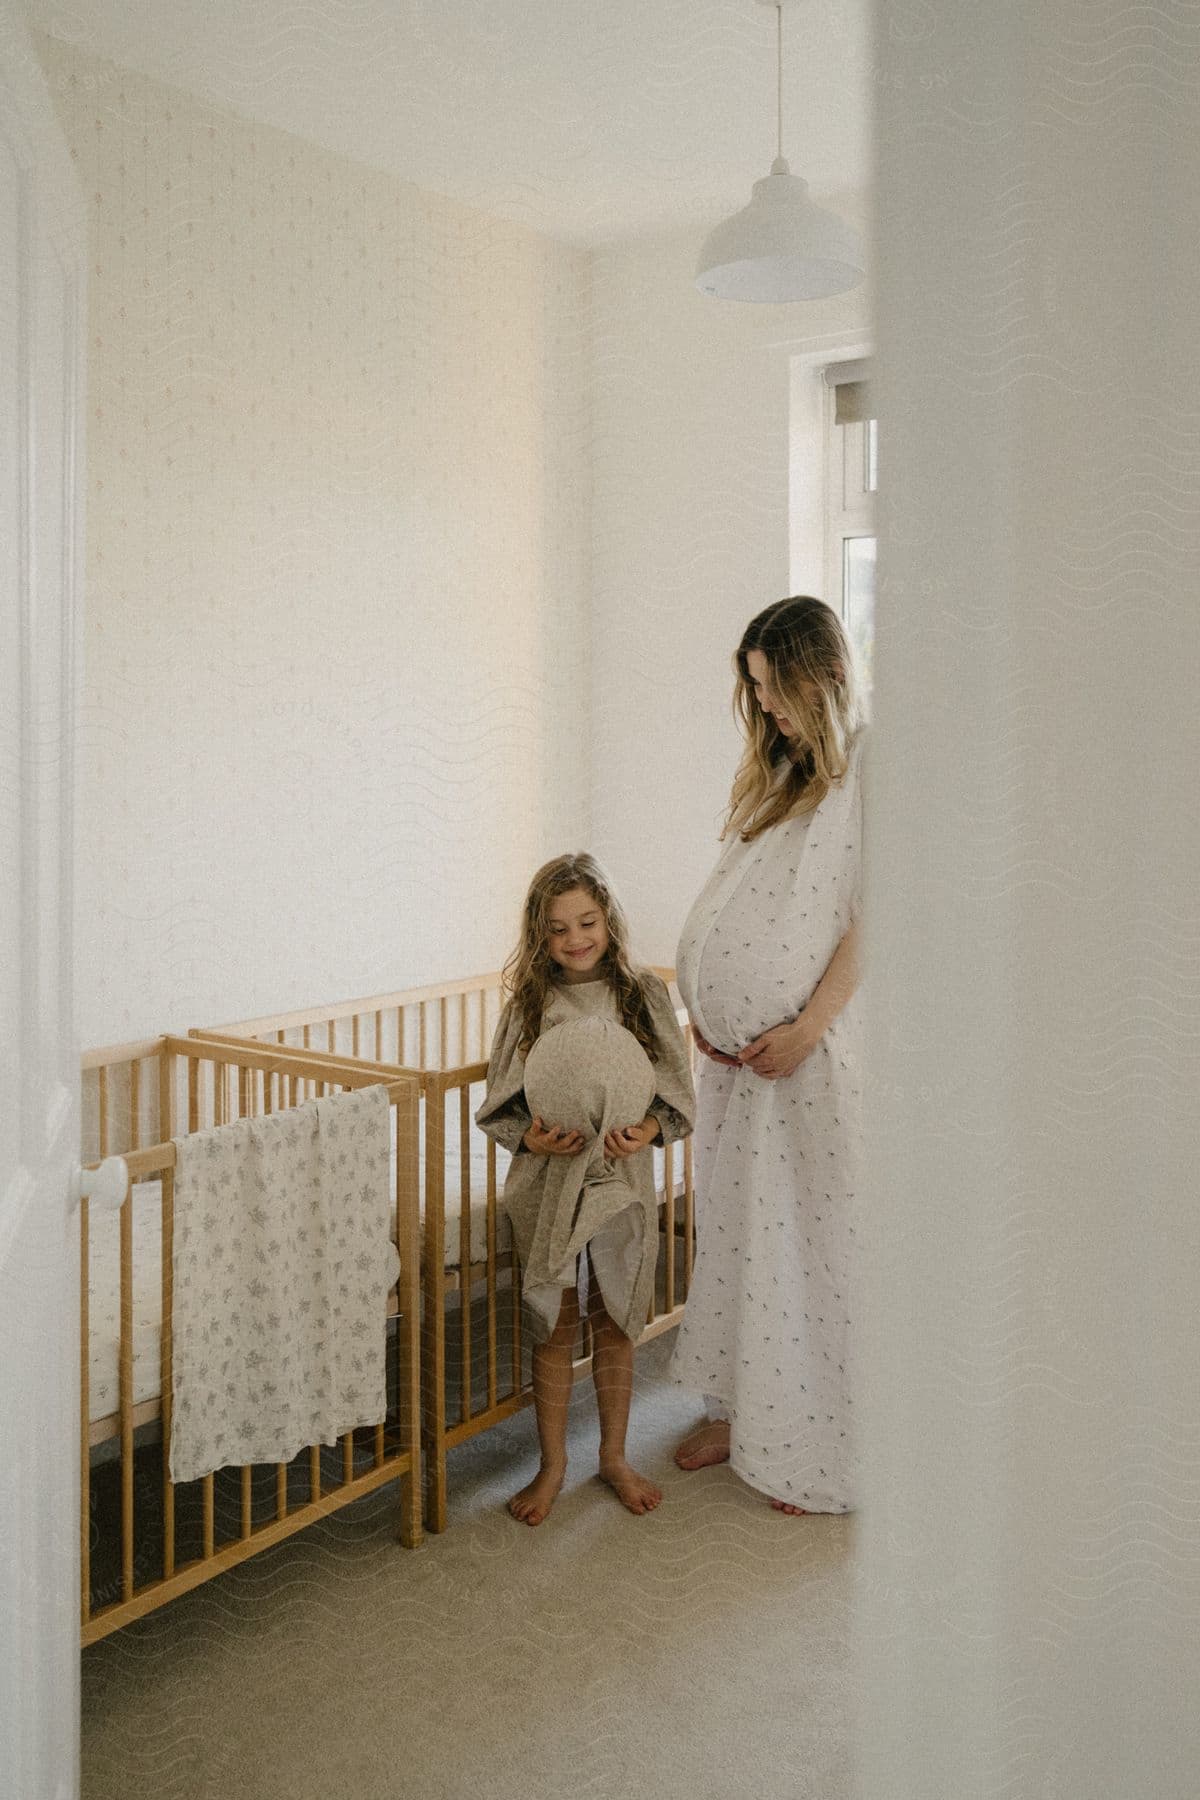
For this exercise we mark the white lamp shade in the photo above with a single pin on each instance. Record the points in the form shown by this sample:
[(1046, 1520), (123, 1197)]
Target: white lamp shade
[(781, 247)]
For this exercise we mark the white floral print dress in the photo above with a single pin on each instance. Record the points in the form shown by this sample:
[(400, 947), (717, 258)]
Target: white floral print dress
[(768, 1320)]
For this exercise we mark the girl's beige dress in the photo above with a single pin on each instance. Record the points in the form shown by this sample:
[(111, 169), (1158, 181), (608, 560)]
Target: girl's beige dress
[(587, 1073)]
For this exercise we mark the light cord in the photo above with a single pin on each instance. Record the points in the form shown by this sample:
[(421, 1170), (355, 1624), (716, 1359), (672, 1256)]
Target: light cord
[(779, 59)]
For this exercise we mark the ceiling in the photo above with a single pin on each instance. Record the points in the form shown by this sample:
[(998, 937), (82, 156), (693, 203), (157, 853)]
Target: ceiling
[(590, 120)]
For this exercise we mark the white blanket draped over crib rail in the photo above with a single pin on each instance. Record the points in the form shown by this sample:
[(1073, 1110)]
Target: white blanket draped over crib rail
[(279, 1287)]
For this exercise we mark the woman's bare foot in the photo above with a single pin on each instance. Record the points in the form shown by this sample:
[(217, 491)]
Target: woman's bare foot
[(709, 1443), (793, 1512), (533, 1503), (635, 1491)]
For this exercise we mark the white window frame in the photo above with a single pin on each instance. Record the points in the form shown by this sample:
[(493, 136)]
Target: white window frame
[(849, 503), (809, 439)]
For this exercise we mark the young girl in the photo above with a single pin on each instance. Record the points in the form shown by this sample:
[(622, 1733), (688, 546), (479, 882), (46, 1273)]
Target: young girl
[(588, 1069)]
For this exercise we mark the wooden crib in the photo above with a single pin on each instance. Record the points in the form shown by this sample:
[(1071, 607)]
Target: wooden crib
[(474, 1357), (157, 1539)]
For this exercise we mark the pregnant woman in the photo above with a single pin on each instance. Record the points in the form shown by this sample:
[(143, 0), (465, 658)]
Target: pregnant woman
[(767, 968)]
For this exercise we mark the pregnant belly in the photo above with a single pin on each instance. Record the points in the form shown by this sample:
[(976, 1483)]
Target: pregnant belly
[(741, 990)]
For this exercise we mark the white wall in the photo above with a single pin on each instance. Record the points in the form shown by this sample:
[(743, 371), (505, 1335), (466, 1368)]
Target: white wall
[(418, 550), (1029, 1575), (336, 606), (691, 472)]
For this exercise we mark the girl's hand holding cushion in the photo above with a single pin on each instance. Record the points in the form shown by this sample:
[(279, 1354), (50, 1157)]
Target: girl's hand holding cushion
[(780, 1051), (627, 1140), (552, 1140)]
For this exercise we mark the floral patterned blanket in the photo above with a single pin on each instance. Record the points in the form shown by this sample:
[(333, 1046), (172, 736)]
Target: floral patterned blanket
[(281, 1272)]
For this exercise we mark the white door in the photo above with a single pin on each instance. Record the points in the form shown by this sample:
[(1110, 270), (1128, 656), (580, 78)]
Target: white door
[(41, 338)]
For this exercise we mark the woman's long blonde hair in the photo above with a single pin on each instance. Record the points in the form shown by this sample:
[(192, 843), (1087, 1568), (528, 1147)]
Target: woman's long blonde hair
[(810, 669), (530, 972)]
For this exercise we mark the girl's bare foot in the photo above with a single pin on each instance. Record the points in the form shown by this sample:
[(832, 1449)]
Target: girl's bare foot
[(533, 1503), (785, 1506), (635, 1491), (709, 1443)]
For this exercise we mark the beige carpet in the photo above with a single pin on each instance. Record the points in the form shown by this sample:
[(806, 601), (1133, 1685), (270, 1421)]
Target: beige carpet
[(702, 1650)]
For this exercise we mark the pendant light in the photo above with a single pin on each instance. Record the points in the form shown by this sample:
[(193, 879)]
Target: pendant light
[(783, 246)]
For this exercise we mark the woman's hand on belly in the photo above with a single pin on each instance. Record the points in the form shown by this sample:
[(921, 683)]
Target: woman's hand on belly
[(779, 1052), (717, 1056)]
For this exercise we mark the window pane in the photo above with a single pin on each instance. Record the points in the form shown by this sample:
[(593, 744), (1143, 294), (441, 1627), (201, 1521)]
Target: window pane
[(858, 602)]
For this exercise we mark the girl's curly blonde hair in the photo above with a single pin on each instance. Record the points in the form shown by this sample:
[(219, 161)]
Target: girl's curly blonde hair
[(811, 669), (530, 972)]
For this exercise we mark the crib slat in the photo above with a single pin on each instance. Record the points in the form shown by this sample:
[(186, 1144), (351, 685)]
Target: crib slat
[(689, 1203), (314, 1471), (207, 1514), (515, 1298), (379, 1040), (492, 1383), (166, 1105), (244, 1093), (166, 1366), (125, 1394), (462, 1027), (354, 1037), (669, 1188), (135, 1104), (220, 1091), (408, 1322), (433, 1356), (464, 1245), (443, 1016), (483, 1043), (348, 1457), (401, 1036), (85, 1465), (102, 1092), (247, 1500), (281, 1500), (193, 1089), (421, 1036)]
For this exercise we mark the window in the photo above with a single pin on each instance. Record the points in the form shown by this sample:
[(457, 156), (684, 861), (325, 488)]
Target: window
[(852, 477)]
